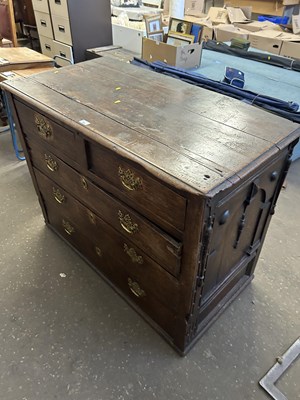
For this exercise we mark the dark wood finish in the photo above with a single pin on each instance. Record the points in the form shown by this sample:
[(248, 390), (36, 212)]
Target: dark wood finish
[(198, 175)]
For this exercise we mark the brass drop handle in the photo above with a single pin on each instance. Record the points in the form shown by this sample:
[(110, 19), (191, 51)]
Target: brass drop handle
[(135, 288), (69, 229), (84, 183), (129, 180), (98, 251), (59, 197), (127, 224), (43, 126), (51, 164), (135, 258)]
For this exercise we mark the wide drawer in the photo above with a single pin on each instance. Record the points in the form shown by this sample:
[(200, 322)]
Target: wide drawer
[(161, 247), (38, 126), (47, 46), (40, 5), (149, 195), (43, 24), (120, 252), (64, 53), (61, 29), (59, 7)]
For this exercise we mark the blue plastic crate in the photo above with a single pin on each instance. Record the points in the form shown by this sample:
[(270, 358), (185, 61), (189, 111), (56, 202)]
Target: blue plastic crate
[(276, 20)]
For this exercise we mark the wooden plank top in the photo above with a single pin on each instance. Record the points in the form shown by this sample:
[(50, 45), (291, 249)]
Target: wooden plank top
[(22, 58), (182, 130)]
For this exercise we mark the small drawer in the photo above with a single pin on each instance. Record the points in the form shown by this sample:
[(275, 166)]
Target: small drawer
[(120, 252), (64, 53), (40, 127), (150, 195), (41, 5), (44, 25), (47, 46), (62, 30), (59, 7), (160, 246)]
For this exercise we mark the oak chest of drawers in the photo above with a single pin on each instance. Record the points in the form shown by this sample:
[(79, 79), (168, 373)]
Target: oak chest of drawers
[(165, 188)]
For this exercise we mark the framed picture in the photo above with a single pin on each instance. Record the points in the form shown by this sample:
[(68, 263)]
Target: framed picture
[(153, 24), (158, 36), (180, 26), (180, 40)]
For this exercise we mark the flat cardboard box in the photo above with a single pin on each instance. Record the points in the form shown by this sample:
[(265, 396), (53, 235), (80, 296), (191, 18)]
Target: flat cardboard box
[(208, 31), (235, 14), (193, 7), (290, 49), (224, 33), (256, 26), (261, 7), (218, 15), (267, 40), (187, 57)]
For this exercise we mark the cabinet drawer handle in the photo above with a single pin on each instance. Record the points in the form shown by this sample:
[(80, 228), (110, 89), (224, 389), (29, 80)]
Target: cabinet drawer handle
[(129, 180), (57, 2), (61, 28), (48, 47), (43, 126), (127, 224), (69, 229), (84, 183), (62, 54), (59, 197), (133, 254), (136, 289), (98, 251), (92, 217), (51, 164), (43, 23)]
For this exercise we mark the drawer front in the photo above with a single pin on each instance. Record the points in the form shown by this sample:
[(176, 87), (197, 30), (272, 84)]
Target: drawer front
[(151, 196), (39, 127), (120, 252), (41, 5), (47, 46), (44, 25), (62, 30), (160, 247), (65, 53), (59, 7)]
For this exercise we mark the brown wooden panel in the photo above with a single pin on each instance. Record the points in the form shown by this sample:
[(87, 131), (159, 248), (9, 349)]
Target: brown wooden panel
[(135, 184), (119, 251), (40, 127), (159, 245)]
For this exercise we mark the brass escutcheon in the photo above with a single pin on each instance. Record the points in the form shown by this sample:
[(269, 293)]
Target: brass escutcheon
[(51, 164), (127, 224), (129, 180), (43, 126), (98, 251), (69, 229), (84, 182), (133, 254), (59, 197), (135, 288)]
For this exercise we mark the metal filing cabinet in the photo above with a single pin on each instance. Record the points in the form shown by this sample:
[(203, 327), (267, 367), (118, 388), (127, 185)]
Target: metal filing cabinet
[(66, 29)]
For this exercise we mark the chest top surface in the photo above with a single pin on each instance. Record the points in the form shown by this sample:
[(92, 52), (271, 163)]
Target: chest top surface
[(179, 129)]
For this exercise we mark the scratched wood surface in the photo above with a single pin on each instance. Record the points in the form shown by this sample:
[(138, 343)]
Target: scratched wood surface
[(183, 130)]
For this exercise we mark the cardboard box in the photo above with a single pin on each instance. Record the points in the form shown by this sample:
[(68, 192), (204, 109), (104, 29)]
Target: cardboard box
[(208, 31), (224, 33), (128, 38), (290, 49), (267, 40), (188, 56), (261, 7), (256, 26), (235, 14), (218, 15), (296, 23), (193, 7), (290, 2)]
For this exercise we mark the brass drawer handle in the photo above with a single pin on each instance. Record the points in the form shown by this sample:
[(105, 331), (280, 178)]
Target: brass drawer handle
[(133, 254), (98, 251), (59, 197), (84, 183), (92, 217), (127, 224), (69, 229), (129, 180), (43, 126), (136, 289), (51, 164)]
